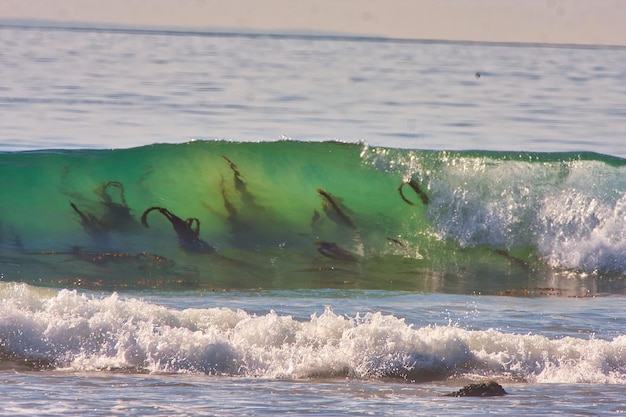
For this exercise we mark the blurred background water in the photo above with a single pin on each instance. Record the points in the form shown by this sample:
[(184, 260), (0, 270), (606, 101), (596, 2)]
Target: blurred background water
[(110, 89)]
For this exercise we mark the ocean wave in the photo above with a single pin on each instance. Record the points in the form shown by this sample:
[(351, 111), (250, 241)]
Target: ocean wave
[(276, 214)]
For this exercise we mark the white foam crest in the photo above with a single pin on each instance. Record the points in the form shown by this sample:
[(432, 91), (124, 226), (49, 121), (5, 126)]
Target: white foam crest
[(478, 201), (78, 332), (539, 359), (573, 213), (581, 232)]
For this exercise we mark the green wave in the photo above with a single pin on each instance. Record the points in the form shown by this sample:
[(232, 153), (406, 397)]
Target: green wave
[(215, 214)]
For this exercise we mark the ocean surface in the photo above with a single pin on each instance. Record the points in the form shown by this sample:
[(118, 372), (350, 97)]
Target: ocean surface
[(228, 224)]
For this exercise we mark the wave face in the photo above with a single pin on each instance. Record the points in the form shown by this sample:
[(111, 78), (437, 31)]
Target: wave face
[(291, 214), (66, 330)]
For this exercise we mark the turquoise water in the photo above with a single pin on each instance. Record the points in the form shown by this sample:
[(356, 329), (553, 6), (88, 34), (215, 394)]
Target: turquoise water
[(363, 225)]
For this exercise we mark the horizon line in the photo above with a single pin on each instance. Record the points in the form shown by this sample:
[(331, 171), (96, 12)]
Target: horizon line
[(69, 25)]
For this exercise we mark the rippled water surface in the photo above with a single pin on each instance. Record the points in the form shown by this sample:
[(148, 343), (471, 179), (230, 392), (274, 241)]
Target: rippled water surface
[(108, 89)]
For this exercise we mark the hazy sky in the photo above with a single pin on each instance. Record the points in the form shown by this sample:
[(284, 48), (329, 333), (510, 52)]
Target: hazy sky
[(551, 21)]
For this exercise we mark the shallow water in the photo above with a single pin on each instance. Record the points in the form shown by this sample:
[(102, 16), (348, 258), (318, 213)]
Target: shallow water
[(79, 394), (552, 336)]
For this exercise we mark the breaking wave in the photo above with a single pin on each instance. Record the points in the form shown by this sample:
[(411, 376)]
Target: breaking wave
[(282, 214)]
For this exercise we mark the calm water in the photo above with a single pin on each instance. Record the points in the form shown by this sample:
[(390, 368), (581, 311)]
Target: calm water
[(101, 89), (315, 351)]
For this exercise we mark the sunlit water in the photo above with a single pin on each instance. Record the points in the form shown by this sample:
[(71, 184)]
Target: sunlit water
[(326, 351)]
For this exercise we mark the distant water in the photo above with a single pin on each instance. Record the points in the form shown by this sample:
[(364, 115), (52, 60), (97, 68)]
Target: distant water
[(69, 88), (365, 278)]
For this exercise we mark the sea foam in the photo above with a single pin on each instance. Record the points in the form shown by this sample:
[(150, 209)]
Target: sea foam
[(73, 331)]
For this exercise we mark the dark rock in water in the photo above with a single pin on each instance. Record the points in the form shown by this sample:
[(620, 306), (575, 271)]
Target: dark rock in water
[(484, 389)]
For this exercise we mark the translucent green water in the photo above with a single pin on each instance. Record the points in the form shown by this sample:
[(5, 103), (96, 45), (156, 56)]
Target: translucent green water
[(291, 214)]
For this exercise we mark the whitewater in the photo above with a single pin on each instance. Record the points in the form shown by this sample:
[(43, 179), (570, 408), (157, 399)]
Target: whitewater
[(236, 224)]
